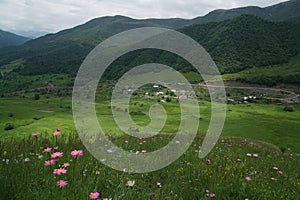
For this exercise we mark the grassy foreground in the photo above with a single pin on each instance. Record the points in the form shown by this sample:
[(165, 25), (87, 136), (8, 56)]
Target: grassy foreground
[(235, 169)]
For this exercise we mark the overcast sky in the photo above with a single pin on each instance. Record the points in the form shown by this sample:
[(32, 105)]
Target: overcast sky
[(55, 15)]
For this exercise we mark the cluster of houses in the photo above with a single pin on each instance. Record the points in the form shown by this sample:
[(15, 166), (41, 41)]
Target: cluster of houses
[(163, 95), (245, 99)]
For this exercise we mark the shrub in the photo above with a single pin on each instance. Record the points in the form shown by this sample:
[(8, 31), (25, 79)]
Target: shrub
[(136, 113), (9, 126), (37, 117), (282, 149), (36, 97), (288, 109)]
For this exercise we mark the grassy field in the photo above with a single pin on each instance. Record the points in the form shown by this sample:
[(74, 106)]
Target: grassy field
[(265, 122), (266, 131), (235, 169)]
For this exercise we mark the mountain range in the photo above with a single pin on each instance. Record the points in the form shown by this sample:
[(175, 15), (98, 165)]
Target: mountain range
[(237, 39), (11, 39)]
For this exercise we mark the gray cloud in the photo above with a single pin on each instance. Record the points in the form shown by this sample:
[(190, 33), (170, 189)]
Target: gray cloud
[(55, 15)]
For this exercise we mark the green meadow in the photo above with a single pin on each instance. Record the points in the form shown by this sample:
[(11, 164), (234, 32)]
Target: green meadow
[(257, 121), (257, 156), (47, 155)]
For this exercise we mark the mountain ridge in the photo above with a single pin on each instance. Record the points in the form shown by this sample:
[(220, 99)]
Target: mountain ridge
[(234, 43), (11, 39), (225, 41)]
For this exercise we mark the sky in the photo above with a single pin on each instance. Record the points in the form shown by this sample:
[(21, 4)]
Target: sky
[(39, 16)]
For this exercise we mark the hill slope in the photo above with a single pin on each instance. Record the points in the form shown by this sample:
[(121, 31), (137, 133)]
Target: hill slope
[(247, 41), (69, 47), (84, 37), (286, 11), (11, 39), (234, 44)]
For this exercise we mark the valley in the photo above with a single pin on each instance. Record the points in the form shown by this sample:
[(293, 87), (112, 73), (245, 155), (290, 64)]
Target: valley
[(256, 50)]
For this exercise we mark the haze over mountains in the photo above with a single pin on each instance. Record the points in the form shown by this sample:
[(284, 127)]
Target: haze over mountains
[(263, 37), (11, 39)]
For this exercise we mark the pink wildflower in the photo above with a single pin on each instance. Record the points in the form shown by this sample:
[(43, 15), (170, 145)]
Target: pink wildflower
[(56, 133), (47, 150), (57, 155), (77, 153), (94, 195), (37, 134), (61, 183), (212, 195), (49, 162), (59, 171), (248, 178), (66, 165)]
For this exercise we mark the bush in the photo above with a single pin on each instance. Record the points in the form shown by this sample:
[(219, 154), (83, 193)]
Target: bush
[(37, 97), (37, 117), (9, 126), (288, 109), (136, 113), (10, 114), (282, 149)]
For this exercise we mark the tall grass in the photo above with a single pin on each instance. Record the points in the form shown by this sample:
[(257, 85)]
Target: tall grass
[(221, 175)]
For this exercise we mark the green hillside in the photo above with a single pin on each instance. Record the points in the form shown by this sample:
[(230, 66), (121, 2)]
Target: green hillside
[(10, 39), (236, 44), (272, 75), (64, 51), (285, 11), (247, 41)]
